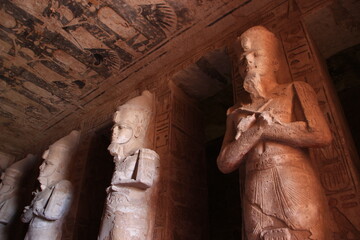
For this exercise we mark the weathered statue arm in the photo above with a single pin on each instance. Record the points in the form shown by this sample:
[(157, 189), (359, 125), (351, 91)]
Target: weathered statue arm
[(57, 204), (234, 149), (313, 132), (28, 212)]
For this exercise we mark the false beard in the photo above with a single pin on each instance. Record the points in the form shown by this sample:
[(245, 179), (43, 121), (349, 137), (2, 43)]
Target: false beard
[(253, 85)]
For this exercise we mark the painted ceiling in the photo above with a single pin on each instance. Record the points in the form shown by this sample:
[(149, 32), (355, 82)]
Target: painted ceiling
[(61, 58)]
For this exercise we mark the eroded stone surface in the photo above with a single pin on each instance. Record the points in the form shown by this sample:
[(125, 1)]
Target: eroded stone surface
[(5, 161), (128, 204), (50, 205), (283, 197), (10, 191)]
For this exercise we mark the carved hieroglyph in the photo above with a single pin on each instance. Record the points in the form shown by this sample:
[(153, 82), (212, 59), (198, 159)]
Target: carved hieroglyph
[(283, 198), (128, 204), (10, 191), (48, 209)]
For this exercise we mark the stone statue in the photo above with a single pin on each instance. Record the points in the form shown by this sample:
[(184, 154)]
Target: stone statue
[(10, 191), (5, 161), (127, 211), (50, 205), (283, 198)]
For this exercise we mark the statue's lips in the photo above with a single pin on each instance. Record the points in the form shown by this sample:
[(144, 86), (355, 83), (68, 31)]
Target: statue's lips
[(42, 180)]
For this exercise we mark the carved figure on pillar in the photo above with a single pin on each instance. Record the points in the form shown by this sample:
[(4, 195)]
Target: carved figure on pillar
[(10, 192), (5, 161), (128, 205), (283, 198), (50, 205)]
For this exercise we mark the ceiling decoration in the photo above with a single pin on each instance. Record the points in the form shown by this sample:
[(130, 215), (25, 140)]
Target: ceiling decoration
[(55, 53), (58, 58)]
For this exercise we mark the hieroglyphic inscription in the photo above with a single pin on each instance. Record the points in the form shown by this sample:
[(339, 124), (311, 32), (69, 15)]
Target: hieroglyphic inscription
[(162, 142), (333, 163), (186, 117), (182, 179), (162, 123)]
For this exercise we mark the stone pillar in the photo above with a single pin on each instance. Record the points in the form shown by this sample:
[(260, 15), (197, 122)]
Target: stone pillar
[(129, 204), (50, 205), (335, 164), (182, 197), (11, 192)]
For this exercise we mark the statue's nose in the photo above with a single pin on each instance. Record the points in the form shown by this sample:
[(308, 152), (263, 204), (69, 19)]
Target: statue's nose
[(249, 59)]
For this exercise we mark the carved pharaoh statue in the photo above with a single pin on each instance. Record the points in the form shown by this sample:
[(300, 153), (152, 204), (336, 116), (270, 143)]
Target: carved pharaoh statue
[(5, 161), (283, 198), (10, 191), (50, 205), (127, 210)]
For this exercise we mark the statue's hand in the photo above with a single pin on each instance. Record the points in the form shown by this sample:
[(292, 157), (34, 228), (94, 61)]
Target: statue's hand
[(276, 234), (39, 205), (27, 214), (244, 124), (265, 119)]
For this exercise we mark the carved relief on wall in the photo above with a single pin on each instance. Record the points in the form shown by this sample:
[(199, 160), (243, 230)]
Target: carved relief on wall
[(334, 163), (181, 202), (55, 54)]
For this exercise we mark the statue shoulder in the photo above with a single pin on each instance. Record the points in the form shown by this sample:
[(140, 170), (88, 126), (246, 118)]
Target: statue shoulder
[(60, 200), (63, 186)]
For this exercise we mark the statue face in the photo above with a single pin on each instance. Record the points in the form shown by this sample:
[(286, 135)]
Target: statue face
[(122, 134), (47, 168), (124, 127), (125, 137), (255, 57)]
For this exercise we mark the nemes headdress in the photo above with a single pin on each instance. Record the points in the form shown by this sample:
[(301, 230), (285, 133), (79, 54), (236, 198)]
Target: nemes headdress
[(62, 150), (141, 108), (263, 35), (144, 102), (16, 170)]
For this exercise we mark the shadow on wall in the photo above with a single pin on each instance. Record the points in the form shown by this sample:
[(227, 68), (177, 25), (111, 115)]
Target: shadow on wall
[(224, 198), (344, 69), (98, 173)]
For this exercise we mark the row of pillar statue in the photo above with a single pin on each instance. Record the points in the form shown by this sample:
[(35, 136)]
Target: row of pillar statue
[(126, 214), (283, 198)]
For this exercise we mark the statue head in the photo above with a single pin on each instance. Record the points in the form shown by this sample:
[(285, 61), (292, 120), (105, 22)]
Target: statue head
[(5, 161), (57, 158), (131, 124), (258, 53), (13, 175)]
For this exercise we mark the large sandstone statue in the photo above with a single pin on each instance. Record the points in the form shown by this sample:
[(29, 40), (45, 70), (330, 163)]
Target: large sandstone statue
[(283, 198), (10, 193), (5, 161), (51, 204), (127, 214)]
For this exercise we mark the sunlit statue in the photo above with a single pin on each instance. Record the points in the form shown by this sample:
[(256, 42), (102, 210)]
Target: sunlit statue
[(283, 198), (127, 209), (50, 205), (10, 193)]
